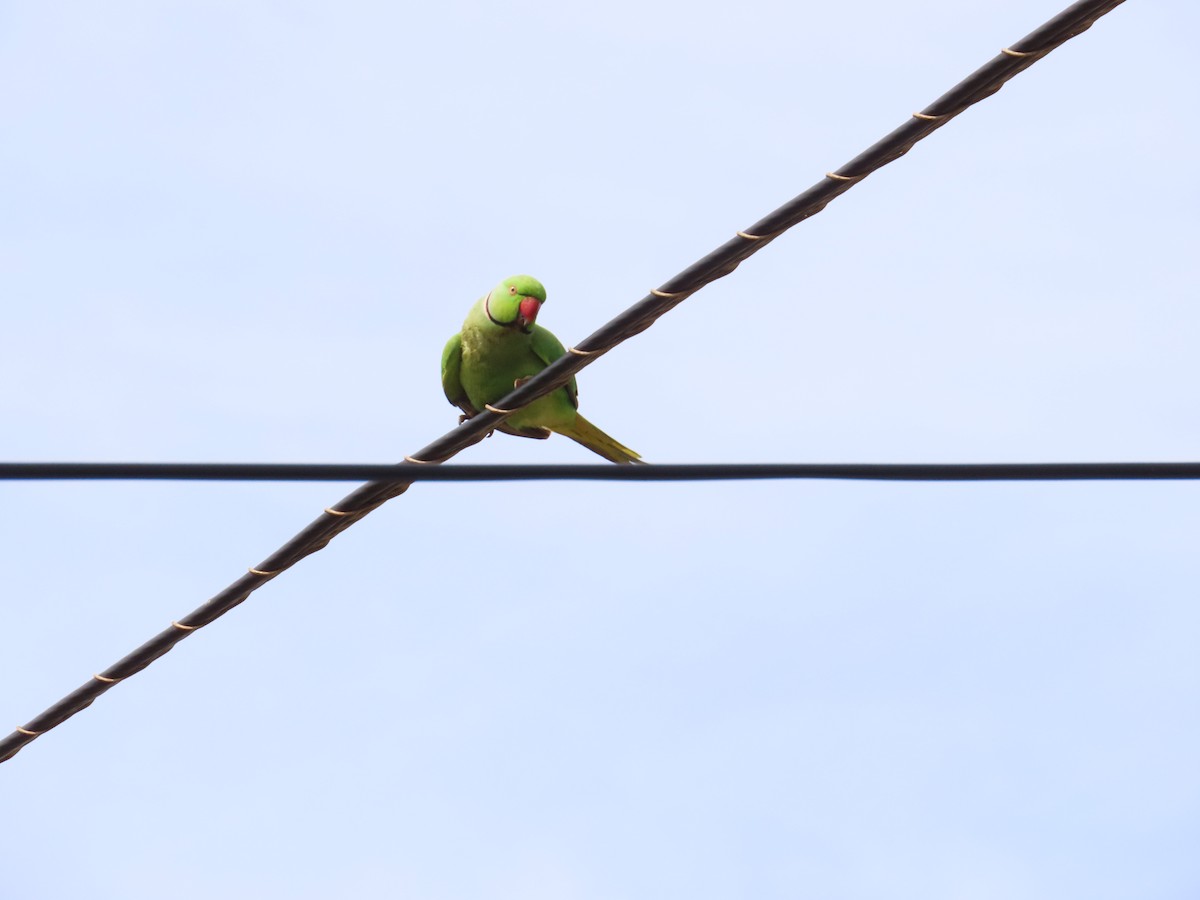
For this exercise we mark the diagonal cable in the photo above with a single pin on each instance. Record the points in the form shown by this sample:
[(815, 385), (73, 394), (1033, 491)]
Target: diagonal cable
[(985, 81)]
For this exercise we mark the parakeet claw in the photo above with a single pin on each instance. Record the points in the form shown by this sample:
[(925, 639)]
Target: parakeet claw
[(462, 418)]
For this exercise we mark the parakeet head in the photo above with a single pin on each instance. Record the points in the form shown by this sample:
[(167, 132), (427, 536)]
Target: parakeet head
[(515, 302)]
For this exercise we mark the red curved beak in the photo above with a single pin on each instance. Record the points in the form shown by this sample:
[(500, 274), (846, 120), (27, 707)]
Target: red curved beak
[(528, 312)]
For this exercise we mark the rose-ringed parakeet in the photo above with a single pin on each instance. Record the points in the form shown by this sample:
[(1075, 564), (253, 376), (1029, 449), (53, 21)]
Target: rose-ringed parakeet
[(500, 346)]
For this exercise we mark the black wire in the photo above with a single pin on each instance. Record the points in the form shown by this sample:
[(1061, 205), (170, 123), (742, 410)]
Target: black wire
[(406, 473), (980, 84)]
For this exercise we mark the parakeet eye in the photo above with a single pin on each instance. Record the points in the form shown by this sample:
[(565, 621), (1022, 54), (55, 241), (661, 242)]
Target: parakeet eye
[(512, 289)]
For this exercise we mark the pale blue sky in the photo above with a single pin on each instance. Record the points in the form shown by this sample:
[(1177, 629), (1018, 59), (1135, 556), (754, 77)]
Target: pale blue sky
[(243, 231)]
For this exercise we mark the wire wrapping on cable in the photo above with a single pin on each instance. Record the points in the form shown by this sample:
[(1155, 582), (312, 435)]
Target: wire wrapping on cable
[(985, 81)]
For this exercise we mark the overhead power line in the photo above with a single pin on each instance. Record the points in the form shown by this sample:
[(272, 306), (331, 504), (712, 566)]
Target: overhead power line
[(985, 81), (407, 473)]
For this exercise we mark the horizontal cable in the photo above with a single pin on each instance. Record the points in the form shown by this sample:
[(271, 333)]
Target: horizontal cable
[(406, 473), (986, 80)]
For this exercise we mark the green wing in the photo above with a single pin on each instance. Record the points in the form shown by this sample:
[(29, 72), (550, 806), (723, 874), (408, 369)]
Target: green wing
[(457, 395), (549, 348), (452, 375)]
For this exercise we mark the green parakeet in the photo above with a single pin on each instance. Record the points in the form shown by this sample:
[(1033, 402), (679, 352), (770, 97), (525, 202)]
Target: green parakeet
[(499, 347)]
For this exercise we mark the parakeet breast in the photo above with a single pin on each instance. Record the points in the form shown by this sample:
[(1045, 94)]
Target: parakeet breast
[(494, 359)]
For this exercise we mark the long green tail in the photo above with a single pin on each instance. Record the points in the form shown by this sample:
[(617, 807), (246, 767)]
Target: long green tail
[(584, 432)]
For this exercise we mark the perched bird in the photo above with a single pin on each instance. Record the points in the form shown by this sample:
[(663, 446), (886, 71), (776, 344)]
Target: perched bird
[(499, 347)]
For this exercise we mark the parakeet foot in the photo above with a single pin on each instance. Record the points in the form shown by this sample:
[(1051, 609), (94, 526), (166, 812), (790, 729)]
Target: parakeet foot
[(464, 417)]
